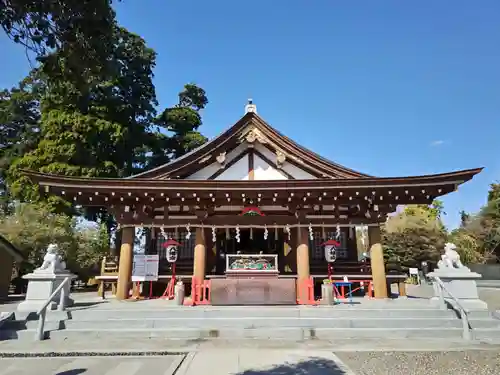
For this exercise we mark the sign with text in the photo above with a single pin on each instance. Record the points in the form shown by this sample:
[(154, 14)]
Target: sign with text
[(145, 267)]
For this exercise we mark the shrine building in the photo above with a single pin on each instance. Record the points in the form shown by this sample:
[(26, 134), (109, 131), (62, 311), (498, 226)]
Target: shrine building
[(251, 210)]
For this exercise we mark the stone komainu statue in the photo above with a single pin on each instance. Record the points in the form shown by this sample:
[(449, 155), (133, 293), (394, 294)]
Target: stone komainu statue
[(52, 261), (450, 258)]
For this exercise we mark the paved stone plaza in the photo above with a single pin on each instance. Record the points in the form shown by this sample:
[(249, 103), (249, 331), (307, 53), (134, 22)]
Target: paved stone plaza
[(265, 362), (369, 356)]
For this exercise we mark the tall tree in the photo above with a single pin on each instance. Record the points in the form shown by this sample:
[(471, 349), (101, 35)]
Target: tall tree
[(80, 30), (19, 126), (177, 127), (478, 237), (95, 129), (414, 235), (435, 210)]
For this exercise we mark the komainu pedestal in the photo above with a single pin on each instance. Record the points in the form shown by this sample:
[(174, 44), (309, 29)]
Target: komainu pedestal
[(44, 280), (458, 280)]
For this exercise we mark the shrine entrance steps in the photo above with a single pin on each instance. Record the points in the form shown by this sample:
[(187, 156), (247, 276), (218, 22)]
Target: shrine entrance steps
[(384, 319)]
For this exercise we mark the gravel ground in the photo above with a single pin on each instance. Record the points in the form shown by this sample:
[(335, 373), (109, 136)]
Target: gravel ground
[(422, 363)]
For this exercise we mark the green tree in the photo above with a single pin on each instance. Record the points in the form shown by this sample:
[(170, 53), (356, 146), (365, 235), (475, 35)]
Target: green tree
[(494, 192), (434, 211), (31, 228), (176, 130), (19, 126), (80, 30), (414, 235), (93, 131), (478, 237)]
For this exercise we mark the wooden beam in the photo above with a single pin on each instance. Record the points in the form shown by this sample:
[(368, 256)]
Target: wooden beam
[(266, 159), (229, 165), (255, 221), (251, 173)]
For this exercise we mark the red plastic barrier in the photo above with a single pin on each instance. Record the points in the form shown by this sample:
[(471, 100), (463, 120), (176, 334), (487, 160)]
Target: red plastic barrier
[(305, 292), (200, 292)]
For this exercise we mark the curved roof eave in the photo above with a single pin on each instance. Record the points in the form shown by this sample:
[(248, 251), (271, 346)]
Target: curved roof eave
[(442, 178)]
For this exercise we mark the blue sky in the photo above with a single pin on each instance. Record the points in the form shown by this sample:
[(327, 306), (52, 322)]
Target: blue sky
[(386, 87)]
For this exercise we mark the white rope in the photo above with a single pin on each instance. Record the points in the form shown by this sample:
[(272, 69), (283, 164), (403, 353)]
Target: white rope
[(241, 226)]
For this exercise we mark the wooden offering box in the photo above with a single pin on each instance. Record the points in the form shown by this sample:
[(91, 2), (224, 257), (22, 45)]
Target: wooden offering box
[(253, 280)]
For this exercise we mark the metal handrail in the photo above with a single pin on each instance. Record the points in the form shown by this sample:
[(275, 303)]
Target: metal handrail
[(40, 334), (466, 326)]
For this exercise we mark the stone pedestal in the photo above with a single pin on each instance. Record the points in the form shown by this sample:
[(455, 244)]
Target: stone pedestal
[(461, 283), (327, 294), (179, 293), (40, 287)]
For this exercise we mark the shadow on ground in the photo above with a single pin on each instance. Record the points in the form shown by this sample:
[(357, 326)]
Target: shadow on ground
[(76, 371), (86, 305), (12, 298), (313, 366)]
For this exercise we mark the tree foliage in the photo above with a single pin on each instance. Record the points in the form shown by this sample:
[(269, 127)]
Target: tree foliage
[(176, 130), (414, 235), (478, 238), (80, 30), (31, 228), (95, 130), (19, 127), (88, 109)]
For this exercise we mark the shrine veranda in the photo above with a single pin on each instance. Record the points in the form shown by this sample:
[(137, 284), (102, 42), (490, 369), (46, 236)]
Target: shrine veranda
[(251, 211)]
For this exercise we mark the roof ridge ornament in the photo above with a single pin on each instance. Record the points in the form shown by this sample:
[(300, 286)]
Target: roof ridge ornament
[(250, 107)]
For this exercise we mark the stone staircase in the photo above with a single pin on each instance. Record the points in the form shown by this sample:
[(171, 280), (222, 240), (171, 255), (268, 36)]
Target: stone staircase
[(412, 319)]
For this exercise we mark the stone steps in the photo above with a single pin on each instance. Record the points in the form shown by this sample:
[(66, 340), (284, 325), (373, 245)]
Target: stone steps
[(208, 313), (264, 322), (130, 320), (277, 333)]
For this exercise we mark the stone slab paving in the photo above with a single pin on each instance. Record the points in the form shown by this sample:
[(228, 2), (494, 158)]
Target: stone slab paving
[(263, 362), (246, 361), (11, 347), (422, 363), (162, 365)]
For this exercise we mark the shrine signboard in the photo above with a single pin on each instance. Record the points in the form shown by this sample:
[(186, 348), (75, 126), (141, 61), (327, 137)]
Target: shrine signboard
[(145, 267)]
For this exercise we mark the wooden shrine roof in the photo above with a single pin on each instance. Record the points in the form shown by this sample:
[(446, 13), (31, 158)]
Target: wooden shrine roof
[(428, 186), (206, 154), (364, 200)]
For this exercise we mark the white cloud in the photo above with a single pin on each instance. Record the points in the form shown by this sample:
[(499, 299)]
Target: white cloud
[(437, 142)]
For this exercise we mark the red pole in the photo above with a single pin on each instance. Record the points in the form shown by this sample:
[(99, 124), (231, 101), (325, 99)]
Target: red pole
[(173, 274)]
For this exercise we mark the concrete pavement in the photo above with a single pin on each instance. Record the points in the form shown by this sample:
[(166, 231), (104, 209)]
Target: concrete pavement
[(164, 365), (245, 361), (213, 362)]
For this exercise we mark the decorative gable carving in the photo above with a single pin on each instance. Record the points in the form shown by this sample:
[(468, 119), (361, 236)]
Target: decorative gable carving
[(252, 134)]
